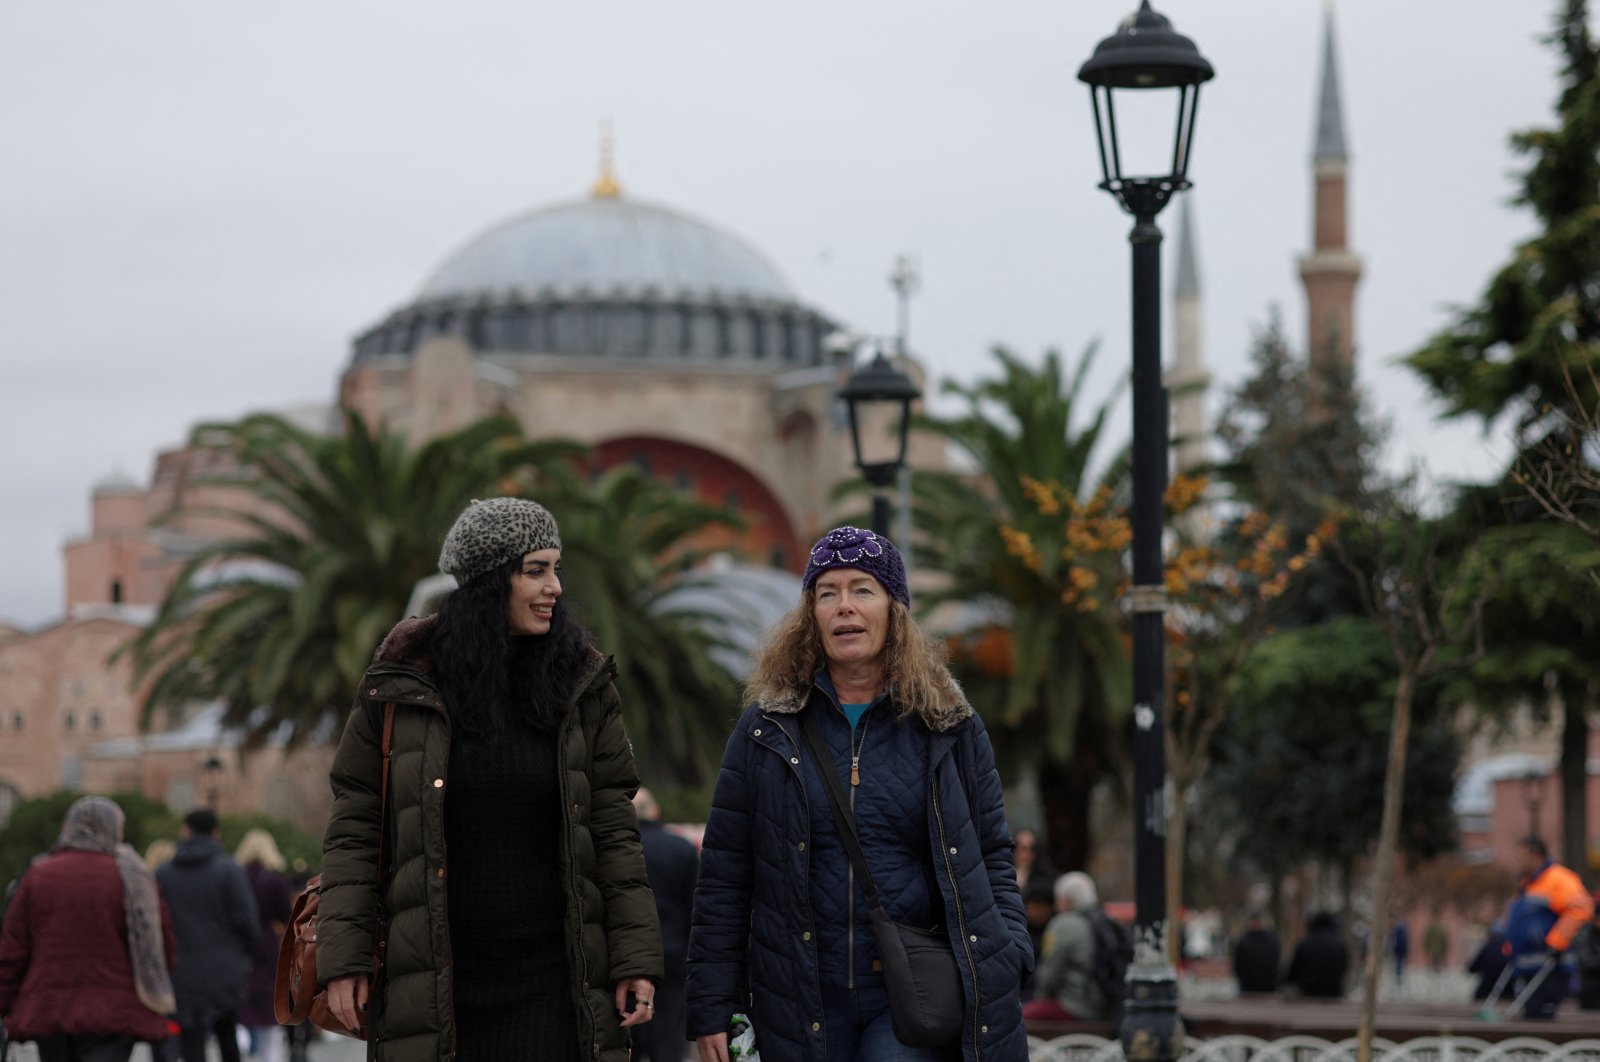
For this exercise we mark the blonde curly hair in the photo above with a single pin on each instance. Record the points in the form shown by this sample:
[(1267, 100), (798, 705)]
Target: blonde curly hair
[(914, 674), (258, 846)]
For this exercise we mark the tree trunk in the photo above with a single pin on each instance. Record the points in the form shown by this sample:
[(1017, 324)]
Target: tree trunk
[(1383, 865), (1064, 793), (1574, 784)]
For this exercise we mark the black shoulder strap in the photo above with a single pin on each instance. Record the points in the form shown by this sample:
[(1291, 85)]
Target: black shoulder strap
[(841, 808)]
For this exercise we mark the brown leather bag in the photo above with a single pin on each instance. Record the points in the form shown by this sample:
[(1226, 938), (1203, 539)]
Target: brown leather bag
[(296, 996)]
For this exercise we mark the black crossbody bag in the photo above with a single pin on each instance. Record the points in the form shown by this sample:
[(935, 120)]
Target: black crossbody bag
[(919, 966)]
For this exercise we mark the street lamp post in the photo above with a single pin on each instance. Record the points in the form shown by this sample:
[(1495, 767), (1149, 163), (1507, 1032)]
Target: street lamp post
[(211, 772), (877, 385), (1532, 794), (1145, 55)]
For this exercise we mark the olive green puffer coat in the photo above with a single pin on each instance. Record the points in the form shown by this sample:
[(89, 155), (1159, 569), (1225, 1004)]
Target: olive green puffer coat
[(612, 932)]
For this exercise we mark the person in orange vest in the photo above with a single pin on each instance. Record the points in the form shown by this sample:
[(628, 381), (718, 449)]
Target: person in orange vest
[(1545, 916)]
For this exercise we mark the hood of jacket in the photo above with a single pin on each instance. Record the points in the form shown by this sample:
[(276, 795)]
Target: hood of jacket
[(947, 710), (197, 851)]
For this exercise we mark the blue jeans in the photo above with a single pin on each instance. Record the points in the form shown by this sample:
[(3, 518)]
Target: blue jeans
[(859, 1028)]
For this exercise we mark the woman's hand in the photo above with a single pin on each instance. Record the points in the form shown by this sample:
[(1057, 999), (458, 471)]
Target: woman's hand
[(347, 999), (713, 1048), (644, 994)]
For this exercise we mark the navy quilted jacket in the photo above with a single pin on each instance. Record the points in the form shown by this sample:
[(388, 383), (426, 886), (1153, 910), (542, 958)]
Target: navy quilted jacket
[(778, 912)]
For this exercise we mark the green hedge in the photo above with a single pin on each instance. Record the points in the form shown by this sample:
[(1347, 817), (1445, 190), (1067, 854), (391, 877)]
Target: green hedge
[(35, 824)]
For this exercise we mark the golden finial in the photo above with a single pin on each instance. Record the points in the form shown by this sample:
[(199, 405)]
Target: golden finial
[(606, 187)]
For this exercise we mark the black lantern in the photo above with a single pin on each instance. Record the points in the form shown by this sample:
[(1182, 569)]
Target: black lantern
[(880, 385), (211, 773), (1144, 55)]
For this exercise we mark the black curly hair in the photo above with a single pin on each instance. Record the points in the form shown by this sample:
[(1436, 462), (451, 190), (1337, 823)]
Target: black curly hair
[(492, 679)]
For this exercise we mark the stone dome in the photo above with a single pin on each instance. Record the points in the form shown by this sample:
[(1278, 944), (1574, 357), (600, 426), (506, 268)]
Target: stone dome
[(608, 277), (607, 247)]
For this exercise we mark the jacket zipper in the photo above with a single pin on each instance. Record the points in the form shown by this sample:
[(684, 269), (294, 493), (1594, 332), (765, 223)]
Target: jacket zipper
[(850, 869), (811, 920), (961, 918), (573, 892)]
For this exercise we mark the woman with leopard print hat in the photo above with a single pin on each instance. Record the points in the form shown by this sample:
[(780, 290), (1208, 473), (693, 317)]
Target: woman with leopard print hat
[(517, 920)]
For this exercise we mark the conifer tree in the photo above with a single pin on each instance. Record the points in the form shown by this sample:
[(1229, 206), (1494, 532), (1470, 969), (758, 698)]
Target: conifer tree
[(1526, 356)]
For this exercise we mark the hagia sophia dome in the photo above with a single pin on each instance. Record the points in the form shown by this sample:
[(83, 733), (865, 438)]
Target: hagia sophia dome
[(608, 276), (613, 246)]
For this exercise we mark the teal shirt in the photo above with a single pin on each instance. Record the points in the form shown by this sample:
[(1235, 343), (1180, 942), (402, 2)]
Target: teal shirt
[(854, 712)]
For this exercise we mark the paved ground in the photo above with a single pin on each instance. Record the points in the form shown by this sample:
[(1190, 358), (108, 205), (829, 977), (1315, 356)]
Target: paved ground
[(1419, 987), (328, 1049)]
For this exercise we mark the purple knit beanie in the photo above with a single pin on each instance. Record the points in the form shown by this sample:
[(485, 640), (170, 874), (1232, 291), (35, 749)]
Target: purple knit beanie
[(852, 547)]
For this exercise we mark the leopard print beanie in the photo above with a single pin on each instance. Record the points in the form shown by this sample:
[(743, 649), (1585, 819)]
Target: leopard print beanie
[(494, 531)]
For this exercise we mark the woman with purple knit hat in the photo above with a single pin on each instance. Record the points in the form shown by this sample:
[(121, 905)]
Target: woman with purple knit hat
[(782, 932)]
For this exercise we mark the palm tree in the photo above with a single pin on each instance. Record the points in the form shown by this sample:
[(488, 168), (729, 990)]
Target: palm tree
[(1029, 551), (278, 620), (625, 552)]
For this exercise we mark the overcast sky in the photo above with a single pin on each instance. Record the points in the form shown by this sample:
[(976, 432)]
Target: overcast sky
[(201, 203)]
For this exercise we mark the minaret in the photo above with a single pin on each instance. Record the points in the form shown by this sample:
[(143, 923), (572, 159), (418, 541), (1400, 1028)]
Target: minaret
[(1187, 378), (1330, 271)]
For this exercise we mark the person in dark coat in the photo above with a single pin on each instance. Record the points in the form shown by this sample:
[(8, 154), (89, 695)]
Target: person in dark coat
[(214, 919), (1586, 953), (518, 918), (1257, 957), (87, 946), (1490, 961), (1321, 959), (673, 865), (781, 928), (263, 867), (1399, 949), (1039, 902)]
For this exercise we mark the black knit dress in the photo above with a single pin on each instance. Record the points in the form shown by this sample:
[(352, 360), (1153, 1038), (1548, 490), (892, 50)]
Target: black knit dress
[(502, 815)]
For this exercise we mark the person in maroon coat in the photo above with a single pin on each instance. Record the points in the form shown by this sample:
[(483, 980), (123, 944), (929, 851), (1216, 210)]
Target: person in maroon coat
[(85, 953)]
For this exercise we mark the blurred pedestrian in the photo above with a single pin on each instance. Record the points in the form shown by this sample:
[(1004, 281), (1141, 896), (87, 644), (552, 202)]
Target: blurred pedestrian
[(1065, 988), (518, 912), (1546, 914), (1586, 953), (1489, 961), (263, 867), (1257, 956), (782, 930), (214, 919), (1031, 861), (87, 946), (1321, 960), (159, 851), (673, 865), (1399, 948), (1436, 941), (1039, 904)]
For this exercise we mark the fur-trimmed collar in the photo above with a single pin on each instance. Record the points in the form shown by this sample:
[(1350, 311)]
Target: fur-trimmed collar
[(407, 643), (952, 708)]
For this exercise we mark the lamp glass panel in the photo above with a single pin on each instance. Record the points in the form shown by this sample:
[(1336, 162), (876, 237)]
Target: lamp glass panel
[(879, 424), (1147, 124)]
